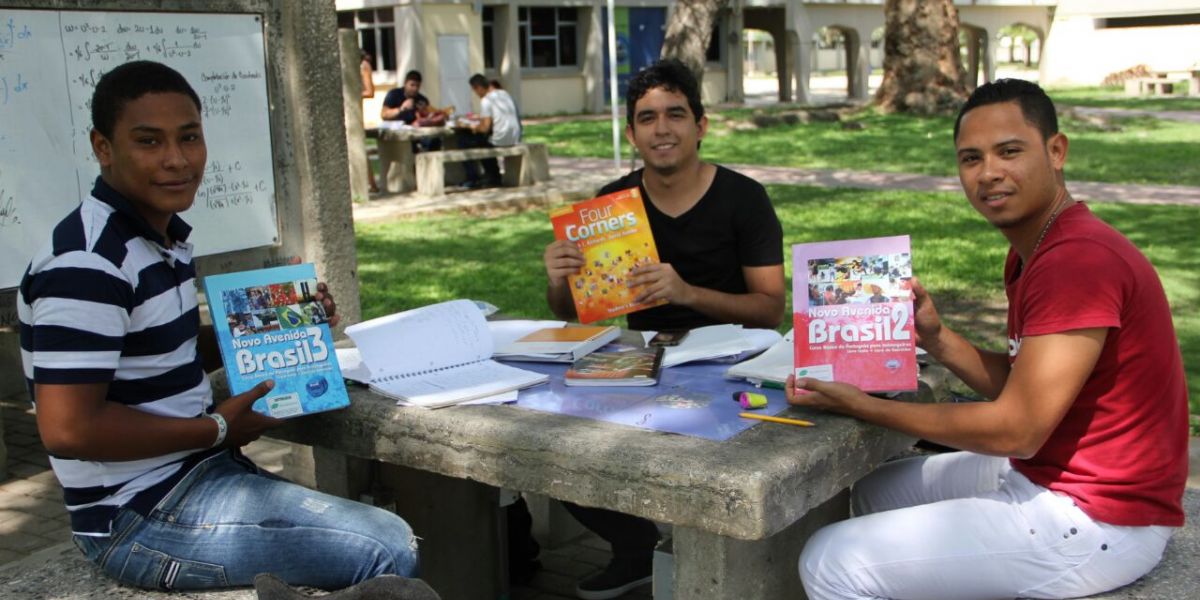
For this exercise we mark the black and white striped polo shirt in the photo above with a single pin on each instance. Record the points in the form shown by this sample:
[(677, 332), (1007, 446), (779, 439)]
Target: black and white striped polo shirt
[(104, 301)]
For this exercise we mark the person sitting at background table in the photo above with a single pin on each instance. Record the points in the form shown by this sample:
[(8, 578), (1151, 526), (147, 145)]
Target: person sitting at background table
[(402, 104), (499, 125)]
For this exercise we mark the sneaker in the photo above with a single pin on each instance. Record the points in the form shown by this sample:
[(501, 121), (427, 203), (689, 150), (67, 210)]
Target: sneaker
[(470, 185), (620, 576)]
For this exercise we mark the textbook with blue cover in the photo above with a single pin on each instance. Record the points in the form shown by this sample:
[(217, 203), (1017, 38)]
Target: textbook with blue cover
[(269, 325)]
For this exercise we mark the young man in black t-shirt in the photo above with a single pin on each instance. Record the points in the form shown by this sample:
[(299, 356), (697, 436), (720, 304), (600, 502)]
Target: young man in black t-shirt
[(721, 251)]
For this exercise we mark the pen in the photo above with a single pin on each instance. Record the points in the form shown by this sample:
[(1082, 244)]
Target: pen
[(775, 385), (799, 422)]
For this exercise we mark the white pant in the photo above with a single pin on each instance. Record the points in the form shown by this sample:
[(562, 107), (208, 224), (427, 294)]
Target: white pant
[(964, 526)]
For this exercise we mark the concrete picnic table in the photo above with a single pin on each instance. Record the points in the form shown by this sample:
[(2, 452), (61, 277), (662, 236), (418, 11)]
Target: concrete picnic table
[(740, 509), (397, 165)]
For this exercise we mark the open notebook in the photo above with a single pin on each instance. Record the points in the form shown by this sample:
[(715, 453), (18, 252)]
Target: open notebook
[(717, 342), (774, 365), (435, 356)]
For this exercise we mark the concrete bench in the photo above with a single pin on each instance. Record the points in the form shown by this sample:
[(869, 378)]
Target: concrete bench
[(1178, 575), (61, 572), (524, 164), (1154, 86)]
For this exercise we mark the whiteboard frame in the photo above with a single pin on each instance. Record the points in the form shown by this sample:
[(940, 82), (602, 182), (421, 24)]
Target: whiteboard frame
[(313, 210)]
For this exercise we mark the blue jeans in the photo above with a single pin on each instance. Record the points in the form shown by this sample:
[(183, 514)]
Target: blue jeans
[(226, 522)]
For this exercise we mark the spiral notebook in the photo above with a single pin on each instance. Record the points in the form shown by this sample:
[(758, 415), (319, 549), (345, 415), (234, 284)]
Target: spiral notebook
[(435, 356)]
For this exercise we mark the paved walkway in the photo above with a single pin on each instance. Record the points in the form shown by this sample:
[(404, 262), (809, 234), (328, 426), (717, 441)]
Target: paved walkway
[(1185, 116), (578, 178)]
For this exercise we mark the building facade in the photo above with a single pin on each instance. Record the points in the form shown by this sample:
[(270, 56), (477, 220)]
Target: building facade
[(551, 55)]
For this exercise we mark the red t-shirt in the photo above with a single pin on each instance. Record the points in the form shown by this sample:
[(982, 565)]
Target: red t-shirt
[(1121, 450)]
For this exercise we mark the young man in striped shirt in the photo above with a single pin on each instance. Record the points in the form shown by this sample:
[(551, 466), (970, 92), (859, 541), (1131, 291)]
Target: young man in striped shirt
[(158, 494)]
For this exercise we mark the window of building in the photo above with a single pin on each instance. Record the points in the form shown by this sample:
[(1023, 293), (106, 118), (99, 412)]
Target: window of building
[(489, 39), (549, 37), (376, 31), (713, 54)]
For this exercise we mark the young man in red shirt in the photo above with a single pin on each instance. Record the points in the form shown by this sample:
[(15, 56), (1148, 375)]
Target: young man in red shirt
[(1071, 478)]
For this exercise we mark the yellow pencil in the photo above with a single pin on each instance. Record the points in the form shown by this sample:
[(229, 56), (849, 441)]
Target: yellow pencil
[(799, 422)]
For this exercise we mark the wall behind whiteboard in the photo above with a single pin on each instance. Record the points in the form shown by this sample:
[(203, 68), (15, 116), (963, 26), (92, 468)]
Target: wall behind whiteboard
[(49, 64)]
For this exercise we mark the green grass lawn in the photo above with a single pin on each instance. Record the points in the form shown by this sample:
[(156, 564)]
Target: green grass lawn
[(1146, 150), (1114, 97), (956, 254)]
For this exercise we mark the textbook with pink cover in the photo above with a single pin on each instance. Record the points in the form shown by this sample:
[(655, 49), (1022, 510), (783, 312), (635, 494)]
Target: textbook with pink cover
[(853, 313)]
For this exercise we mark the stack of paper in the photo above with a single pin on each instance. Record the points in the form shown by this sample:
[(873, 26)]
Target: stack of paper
[(774, 365), (717, 342)]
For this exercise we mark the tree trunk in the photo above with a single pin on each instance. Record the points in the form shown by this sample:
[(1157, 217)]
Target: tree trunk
[(923, 72), (689, 31)]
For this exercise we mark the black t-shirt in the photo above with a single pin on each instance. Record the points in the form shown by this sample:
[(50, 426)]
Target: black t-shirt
[(732, 226), (395, 97)]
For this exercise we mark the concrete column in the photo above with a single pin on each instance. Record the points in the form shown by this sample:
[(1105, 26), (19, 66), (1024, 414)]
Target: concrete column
[(783, 63), (859, 63), (410, 52), (712, 566), (506, 27), (593, 59), (734, 92), (461, 528), (799, 50), (989, 56), (972, 57), (458, 520), (12, 383), (356, 140)]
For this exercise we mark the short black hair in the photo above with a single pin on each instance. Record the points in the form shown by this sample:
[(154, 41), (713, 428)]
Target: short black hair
[(131, 81), (669, 74), (413, 75), (1036, 106), (478, 80)]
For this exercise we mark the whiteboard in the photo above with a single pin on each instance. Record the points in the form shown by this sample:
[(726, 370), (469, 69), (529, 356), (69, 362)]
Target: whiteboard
[(49, 64)]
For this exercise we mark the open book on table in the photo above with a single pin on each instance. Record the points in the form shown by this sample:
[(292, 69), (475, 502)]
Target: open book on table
[(772, 366), (434, 356), (717, 342)]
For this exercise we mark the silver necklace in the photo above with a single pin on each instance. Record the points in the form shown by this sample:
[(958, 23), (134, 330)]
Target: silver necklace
[(1046, 228)]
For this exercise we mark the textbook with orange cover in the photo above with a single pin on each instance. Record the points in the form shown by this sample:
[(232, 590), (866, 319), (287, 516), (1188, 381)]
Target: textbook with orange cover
[(558, 344), (614, 235)]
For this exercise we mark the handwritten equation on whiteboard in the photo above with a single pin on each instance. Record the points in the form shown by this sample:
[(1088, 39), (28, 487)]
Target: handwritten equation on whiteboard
[(50, 62)]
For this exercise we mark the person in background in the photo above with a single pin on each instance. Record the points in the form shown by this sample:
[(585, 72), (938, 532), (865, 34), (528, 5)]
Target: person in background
[(368, 73), (368, 91), (499, 125), (404, 104), (400, 104)]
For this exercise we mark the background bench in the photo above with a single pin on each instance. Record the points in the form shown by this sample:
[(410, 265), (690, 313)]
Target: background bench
[(524, 164)]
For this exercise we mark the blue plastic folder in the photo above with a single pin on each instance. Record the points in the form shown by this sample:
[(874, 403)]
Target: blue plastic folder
[(269, 325), (692, 399)]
